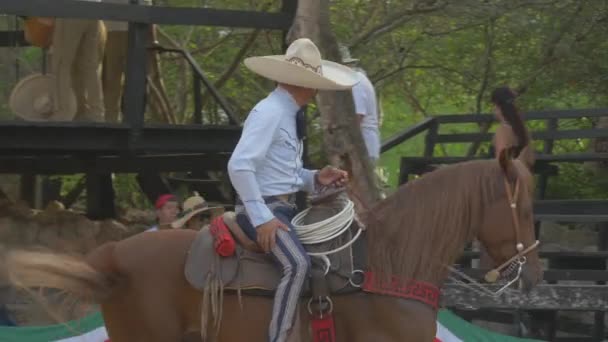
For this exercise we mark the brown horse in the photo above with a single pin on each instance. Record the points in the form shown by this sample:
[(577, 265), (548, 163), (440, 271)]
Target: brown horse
[(413, 234)]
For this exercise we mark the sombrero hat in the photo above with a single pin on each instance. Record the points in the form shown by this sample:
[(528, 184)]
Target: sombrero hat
[(301, 65), (32, 100), (346, 57), (193, 206)]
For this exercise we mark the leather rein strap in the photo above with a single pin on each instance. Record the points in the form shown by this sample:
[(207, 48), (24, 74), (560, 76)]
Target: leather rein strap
[(493, 275)]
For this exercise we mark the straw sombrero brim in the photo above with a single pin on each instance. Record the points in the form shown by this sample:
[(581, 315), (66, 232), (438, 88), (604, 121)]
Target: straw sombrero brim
[(180, 222), (334, 76), (32, 87)]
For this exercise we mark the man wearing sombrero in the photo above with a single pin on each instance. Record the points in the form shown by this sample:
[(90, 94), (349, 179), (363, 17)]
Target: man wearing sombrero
[(193, 208), (266, 165)]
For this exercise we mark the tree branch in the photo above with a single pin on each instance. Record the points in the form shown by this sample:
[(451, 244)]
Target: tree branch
[(488, 56), (234, 65), (549, 56), (394, 21)]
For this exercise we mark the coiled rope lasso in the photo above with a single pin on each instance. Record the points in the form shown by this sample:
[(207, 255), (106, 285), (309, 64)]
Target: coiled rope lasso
[(327, 229)]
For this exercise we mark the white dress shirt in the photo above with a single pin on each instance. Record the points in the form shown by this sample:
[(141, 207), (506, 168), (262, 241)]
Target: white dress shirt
[(267, 161)]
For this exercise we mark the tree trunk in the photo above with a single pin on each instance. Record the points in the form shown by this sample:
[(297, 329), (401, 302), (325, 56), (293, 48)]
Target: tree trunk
[(341, 133)]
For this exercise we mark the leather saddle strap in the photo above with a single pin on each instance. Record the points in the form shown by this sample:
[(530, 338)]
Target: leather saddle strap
[(320, 290), (359, 249)]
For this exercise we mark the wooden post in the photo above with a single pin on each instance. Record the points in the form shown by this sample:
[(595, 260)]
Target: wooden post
[(135, 80), (27, 189), (100, 194), (198, 99), (599, 325), (545, 322)]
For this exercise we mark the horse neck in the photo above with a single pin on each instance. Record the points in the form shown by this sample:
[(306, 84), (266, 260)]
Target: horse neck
[(418, 235)]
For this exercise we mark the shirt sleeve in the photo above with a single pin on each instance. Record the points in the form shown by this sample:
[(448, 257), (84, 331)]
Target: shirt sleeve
[(360, 99), (258, 132)]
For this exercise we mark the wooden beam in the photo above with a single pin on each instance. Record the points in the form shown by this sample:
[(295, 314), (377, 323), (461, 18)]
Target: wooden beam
[(543, 297), (529, 116), (552, 275), (554, 254), (406, 134), (587, 133), (146, 14), (541, 159), (73, 164), (35, 138), (12, 39)]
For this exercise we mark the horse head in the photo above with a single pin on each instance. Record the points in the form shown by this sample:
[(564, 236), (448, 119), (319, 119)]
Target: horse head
[(507, 226)]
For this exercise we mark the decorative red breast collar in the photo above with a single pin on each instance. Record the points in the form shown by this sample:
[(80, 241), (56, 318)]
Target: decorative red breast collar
[(410, 289)]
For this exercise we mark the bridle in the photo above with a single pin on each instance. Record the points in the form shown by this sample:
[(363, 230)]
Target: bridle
[(514, 264), (518, 260)]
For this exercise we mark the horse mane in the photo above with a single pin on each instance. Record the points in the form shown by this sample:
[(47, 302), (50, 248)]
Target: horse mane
[(426, 223)]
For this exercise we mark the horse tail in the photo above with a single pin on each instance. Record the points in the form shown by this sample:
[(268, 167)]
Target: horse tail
[(92, 279)]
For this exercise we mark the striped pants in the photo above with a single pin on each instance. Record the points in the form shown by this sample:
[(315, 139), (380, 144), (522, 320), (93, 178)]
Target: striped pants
[(295, 264)]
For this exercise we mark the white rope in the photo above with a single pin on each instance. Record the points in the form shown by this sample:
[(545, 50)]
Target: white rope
[(324, 230)]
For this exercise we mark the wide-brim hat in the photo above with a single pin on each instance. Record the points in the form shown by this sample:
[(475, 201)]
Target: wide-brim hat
[(302, 66), (32, 100), (194, 206), (347, 59)]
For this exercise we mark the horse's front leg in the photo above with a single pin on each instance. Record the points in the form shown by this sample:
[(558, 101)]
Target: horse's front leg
[(367, 317)]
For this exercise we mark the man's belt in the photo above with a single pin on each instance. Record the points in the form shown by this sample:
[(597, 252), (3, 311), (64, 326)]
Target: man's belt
[(287, 198)]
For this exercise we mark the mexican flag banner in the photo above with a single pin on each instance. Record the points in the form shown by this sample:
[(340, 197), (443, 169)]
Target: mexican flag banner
[(450, 328)]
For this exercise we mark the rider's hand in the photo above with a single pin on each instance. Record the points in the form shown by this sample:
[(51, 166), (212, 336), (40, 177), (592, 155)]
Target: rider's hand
[(332, 176), (267, 233)]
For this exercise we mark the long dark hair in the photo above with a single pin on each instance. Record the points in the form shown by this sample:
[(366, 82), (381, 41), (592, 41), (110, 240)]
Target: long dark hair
[(504, 98)]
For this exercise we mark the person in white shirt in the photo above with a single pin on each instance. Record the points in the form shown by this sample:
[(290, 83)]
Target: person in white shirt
[(266, 166), (115, 62), (77, 50), (366, 107)]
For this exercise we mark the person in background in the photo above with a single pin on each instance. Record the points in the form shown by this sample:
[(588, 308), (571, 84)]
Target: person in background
[(512, 136), (115, 62), (167, 209), (196, 213), (366, 107), (77, 50)]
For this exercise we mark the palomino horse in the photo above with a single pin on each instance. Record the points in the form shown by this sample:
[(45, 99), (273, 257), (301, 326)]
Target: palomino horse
[(413, 234)]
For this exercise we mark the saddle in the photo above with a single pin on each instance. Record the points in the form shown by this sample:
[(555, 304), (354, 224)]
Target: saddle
[(252, 272)]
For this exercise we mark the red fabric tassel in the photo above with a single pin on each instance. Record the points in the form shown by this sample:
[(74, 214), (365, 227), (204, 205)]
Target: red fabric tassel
[(323, 329), (223, 242)]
